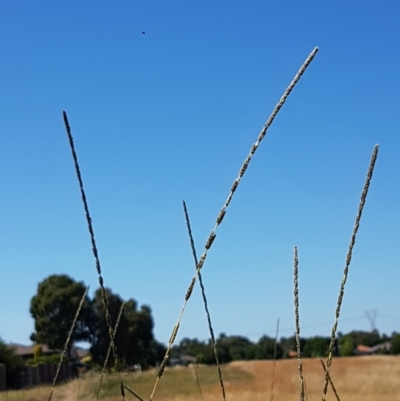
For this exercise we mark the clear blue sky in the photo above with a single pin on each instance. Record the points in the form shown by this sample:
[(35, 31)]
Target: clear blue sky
[(171, 115)]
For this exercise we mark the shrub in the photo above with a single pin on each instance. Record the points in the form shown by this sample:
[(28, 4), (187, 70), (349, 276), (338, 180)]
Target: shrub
[(14, 365), (395, 347)]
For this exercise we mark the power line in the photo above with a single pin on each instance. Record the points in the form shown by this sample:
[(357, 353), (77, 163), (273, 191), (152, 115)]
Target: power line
[(291, 329)]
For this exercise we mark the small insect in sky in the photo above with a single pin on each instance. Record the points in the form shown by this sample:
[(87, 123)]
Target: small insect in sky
[(143, 33)]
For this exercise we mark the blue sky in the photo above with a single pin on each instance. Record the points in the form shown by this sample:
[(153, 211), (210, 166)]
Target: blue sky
[(171, 115)]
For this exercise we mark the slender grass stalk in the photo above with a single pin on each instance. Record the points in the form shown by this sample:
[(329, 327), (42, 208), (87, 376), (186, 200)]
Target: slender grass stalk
[(109, 350), (222, 212), (297, 321), (305, 389), (94, 248), (346, 268), (274, 363), (203, 293), (71, 330), (198, 380), (133, 393), (330, 381)]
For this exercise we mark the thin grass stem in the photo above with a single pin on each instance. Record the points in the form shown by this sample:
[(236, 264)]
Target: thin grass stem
[(109, 350), (133, 393), (222, 212), (64, 353), (305, 389), (94, 248), (297, 321), (346, 269), (330, 381), (203, 293), (274, 363), (198, 380)]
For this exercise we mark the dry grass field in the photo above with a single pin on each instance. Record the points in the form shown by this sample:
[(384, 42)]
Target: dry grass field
[(355, 378)]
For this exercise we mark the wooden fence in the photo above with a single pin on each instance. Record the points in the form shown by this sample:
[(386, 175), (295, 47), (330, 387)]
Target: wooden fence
[(42, 373), (3, 377)]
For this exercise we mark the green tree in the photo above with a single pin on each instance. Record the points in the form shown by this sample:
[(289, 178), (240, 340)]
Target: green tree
[(395, 344), (159, 352), (346, 345), (288, 344), (368, 338), (201, 350), (315, 347), (134, 339), (54, 307), (223, 348), (101, 338), (266, 349), (141, 347), (14, 365), (235, 348)]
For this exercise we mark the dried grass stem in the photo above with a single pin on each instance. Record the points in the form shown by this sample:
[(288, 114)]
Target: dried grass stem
[(203, 293), (109, 350), (222, 212), (330, 381), (94, 247), (274, 363), (297, 322), (346, 269), (64, 353)]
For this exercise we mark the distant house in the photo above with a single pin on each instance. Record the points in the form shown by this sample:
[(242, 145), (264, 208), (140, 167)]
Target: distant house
[(377, 349), (183, 360), (363, 350), (28, 351)]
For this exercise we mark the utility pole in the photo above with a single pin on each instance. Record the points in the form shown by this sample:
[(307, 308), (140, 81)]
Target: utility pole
[(371, 316)]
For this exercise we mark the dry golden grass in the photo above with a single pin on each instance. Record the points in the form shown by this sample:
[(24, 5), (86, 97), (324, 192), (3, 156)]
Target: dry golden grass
[(356, 379)]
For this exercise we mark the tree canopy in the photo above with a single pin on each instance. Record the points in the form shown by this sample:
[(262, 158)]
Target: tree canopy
[(395, 349), (134, 339), (54, 307)]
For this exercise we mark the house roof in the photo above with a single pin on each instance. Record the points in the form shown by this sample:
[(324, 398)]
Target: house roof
[(364, 349), (382, 346), (27, 350), (188, 358)]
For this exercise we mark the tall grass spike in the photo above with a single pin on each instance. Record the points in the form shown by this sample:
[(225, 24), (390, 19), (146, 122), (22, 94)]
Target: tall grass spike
[(203, 293), (346, 268), (222, 212), (94, 246), (297, 322), (64, 353)]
